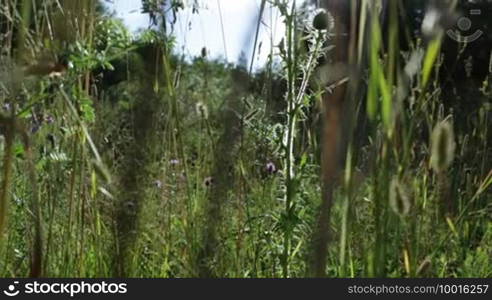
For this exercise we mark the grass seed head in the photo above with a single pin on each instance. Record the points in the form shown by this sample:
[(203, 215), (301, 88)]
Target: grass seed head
[(399, 198), (442, 146), (424, 266)]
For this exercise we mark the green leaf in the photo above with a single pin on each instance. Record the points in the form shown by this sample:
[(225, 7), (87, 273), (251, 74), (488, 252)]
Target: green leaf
[(430, 58), (378, 85), (372, 100), (18, 149), (373, 93), (386, 97)]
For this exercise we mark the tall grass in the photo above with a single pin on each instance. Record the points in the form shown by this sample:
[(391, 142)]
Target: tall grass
[(342, 158)]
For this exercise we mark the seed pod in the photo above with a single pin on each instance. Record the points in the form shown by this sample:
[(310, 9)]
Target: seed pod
[(399, 198), (442, 146)]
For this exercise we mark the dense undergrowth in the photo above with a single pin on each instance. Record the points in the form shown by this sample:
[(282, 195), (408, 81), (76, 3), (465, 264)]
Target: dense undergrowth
[(121, 158)]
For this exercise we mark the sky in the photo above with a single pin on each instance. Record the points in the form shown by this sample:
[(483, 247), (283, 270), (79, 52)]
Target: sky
[(226, 28)]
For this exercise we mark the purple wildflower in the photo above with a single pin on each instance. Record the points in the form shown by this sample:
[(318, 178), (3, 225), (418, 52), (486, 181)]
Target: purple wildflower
[(49, 119), (35, 127), (270, 168)]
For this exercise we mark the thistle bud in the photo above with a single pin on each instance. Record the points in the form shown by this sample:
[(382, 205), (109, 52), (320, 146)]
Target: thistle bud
[(320, 21), (202, 110), (209, 181)]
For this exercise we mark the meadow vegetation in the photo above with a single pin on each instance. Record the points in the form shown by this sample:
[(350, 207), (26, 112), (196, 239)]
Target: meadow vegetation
[(347, 155)]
